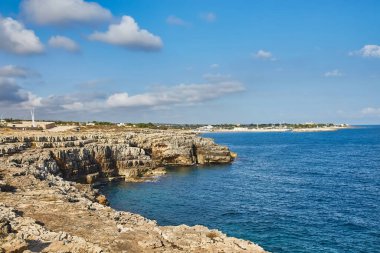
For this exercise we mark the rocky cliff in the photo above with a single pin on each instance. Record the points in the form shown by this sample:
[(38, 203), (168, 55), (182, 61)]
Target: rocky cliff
[(43, 209), (91, 156)]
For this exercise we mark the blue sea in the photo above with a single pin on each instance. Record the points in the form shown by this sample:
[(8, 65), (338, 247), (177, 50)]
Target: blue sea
[(288, 192)]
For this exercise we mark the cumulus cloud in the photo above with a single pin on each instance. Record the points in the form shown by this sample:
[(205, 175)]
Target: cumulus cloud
[(64, 43), (371, 111), (173, 20), (73, 102), (208, 17), (11, 94), (178, 95), (368, 51), (14, 71), (14, 97), (31, 101), (333, 73), (128, 34), (15, 38), (157, 98), (75, 106), (45, 12), (264, 55)]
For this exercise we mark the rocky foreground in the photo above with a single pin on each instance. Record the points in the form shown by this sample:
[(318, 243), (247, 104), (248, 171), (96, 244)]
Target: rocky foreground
[(47, 203)]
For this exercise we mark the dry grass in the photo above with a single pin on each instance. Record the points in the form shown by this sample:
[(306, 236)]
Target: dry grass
[(212, 235)]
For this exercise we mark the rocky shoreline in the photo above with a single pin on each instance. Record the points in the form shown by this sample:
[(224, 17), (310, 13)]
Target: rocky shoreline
[(48, 204)]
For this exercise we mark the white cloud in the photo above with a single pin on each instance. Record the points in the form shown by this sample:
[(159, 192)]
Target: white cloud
[(333, 73), (32, 100), (64, 43), (14, 71), (214, 66), (84, 101), (157, 98), (15, 98), (76, 106), (371, 111), (45, 12), (178, 95), (368, 51), (173, 20), (14, 95), (264, 55), (10, 91), (15, 38), (128, 34), (208, 17)]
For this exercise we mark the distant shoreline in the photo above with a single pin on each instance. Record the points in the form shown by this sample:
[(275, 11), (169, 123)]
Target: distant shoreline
[(279, 130)]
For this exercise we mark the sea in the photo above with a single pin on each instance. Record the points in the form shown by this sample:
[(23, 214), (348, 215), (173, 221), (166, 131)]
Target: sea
[(288, 192)]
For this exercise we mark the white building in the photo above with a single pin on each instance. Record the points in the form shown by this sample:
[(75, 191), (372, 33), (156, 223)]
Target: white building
[(205, 128)]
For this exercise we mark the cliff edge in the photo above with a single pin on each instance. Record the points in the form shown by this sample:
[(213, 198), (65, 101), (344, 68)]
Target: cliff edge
[(47, 203)]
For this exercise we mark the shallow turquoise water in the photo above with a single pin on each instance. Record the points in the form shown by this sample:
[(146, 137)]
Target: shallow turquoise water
[(288, 192)]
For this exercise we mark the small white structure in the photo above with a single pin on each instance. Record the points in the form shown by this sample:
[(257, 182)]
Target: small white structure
[(205, 128), (29, 125), (90, 124), (121, 124), (32, 114)]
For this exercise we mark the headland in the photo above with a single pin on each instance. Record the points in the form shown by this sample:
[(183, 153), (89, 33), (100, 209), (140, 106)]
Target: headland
[(48, 203)]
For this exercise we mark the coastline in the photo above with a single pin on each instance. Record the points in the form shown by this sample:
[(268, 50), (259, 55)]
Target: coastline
[(41, 207), (278, 130)]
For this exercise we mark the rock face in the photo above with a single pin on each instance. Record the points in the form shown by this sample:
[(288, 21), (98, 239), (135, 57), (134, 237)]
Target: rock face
[(23, 233), (88, 157), (41, 211)]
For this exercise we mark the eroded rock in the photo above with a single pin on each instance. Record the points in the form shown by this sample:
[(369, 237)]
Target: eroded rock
[(47, 213), (88, 157)]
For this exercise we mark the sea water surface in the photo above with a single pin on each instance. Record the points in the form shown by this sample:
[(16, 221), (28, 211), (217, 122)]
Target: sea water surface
[(288, 192)]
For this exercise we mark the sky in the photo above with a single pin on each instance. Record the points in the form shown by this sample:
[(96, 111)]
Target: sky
[(191, 61)]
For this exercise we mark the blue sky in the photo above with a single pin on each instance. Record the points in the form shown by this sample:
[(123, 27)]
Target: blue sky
[(191, 61)]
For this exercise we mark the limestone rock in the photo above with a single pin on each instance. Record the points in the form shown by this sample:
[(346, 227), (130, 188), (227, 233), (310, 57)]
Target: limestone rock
[(44, 212), (89, 157), (29, 235)]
